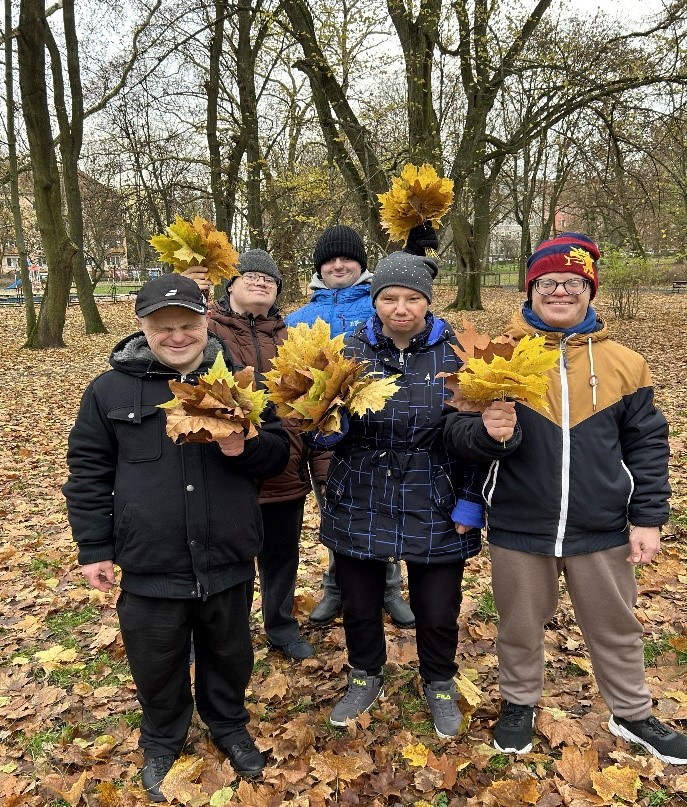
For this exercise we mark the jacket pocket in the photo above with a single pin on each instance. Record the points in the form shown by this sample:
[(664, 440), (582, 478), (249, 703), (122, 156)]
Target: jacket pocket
[(443, 495), (142, 441), (336, 484)]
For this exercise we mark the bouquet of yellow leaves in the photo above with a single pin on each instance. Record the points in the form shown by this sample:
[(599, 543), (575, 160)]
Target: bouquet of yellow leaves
[(416, 196), (197, 243), (311, 380), (499, 369), (221, 405)]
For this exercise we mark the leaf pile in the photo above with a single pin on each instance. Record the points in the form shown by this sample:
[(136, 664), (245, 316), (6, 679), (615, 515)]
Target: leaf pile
[(312, 380), (222, 404), (197, 243), (498, 369), (416, 196)]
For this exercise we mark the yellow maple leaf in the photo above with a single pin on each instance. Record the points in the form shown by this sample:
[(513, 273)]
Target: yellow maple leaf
[(179, 783), (197, 243), (419, 194), (220, 405), (51, 658), (311, 380), (417, 755), (500, 371), (616, 781)]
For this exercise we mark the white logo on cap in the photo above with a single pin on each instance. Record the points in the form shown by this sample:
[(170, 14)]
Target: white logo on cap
[(171, 293)]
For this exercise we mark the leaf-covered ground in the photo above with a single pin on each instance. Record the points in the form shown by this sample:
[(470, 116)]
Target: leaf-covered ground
[(68, 713)]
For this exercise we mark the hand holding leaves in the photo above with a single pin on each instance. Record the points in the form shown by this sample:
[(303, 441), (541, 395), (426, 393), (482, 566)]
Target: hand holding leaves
[(222, 406), (197, 243), (312, 381), (499, 369)]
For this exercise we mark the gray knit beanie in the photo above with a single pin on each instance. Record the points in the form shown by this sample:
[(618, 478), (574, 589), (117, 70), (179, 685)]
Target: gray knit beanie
[(401, 269), (339, 241), (257, 260)]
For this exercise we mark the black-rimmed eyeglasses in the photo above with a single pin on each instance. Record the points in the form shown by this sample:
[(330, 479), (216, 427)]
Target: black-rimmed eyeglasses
[(574, 285)]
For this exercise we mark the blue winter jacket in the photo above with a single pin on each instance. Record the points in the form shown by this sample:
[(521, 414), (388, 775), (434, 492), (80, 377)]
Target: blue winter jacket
[(392, 486), (344, 309)]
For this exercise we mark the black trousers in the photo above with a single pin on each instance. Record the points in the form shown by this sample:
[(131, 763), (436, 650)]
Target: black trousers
[(157, 638), (435, 597), (278, 567)]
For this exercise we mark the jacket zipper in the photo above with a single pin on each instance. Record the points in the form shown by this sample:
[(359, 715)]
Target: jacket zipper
[(256, 343), (565, 453)]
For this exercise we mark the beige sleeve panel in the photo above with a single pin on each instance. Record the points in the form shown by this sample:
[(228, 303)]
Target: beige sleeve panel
[(619, 372)]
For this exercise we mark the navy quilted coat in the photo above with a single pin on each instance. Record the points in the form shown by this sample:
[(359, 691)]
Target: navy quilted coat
[(391, 485)]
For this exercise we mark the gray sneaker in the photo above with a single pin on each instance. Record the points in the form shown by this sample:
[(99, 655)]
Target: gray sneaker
[(363, 690), (442, 700)]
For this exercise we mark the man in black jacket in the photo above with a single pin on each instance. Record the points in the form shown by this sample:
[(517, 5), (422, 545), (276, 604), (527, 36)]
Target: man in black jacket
[(183, 524)]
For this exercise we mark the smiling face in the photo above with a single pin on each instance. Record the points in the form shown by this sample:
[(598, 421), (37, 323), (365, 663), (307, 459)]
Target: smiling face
[(402, 312), (561, 310), (340, 273), (177, 337), (253, 293)]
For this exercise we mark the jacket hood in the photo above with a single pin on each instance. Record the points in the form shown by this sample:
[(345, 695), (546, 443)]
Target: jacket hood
[(318, 283), (133, 356)]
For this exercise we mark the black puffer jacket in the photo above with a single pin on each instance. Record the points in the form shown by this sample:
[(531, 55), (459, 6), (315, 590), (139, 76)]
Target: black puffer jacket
[(180, 520), (392, 486)]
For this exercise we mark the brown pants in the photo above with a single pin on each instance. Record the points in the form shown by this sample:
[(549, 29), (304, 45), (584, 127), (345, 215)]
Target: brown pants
[(603, 592)]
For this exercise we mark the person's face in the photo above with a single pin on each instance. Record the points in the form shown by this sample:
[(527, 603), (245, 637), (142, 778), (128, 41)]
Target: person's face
[(177, 336), (340, 273), (402, 312), (253, 293), (560, 309)]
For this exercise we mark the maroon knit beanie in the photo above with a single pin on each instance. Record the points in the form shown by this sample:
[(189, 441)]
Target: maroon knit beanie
[(567, 252)]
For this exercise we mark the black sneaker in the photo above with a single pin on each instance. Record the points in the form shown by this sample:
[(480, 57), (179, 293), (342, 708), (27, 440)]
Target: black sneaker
[(153, 772), (245, 758), (658, 739), (442, 700), (363, 690), (296, 650), (513, 731)]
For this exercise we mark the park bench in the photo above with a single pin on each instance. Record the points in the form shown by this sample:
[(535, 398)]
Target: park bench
[(678, 285)]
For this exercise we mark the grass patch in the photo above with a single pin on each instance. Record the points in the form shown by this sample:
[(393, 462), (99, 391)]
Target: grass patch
[(63, 623), (43, 567), (574, 670), (486, 607), (498, 763), (654, 798)]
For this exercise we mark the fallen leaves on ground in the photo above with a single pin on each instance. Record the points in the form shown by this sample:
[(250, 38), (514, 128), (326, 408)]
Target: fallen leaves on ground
[(69, 723)]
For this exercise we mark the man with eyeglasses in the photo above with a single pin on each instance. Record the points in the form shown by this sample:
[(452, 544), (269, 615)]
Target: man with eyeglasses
[(250, 326), (584, 495)]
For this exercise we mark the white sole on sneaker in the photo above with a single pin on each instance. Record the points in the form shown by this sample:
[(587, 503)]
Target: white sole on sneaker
[(524, 750), (342, 723), (626, 734)]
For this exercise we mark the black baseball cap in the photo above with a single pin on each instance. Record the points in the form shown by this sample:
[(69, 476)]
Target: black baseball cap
[(172, 289)]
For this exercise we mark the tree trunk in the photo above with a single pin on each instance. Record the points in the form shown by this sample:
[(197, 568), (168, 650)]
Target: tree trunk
[(71, 140), (59, 249), (212, 92), (14, 177)]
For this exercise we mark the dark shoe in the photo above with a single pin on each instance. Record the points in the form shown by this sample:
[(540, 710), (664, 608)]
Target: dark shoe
[(513, 732), (245, 758), (399, 611), (153, 772), (327, 609), (442, 700), (656, 737), (297, 650), (363, 690)]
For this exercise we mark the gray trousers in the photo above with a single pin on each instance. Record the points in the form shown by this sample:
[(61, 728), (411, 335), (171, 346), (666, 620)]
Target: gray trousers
[(603, 592)]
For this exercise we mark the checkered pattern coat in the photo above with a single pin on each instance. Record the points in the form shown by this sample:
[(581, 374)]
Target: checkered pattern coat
[(391, 485)]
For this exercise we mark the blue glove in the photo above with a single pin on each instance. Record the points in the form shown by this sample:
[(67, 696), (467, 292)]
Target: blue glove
[(329, 440)]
